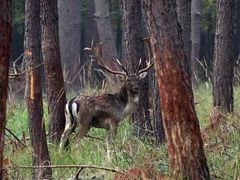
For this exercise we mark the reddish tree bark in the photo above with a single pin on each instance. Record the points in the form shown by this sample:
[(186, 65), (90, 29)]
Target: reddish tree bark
[(5, 38), (32, 43), (53, 69), (224, 56), (181, 127)]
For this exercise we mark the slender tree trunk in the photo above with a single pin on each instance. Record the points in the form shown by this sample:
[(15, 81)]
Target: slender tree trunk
[(195, 37), (207, 40), (134, 32), (53, 71), (181, 127), (5, 38), (69, 34), (184, 18), (237, 29), (154, 92), (40, 155), (105, 34), (223, 56), (157, 115), (90, 33), (90, 26)]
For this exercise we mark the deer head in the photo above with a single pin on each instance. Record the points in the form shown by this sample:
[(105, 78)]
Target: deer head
[(130, 81)]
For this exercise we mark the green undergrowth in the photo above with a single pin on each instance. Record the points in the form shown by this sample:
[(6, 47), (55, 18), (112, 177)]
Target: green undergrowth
[(221, 143)]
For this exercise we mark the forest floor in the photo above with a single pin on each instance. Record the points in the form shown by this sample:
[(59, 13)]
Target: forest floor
[(138, 156)]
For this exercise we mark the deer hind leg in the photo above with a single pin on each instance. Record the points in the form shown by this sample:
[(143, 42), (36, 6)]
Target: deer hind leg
[(65, 135), (70, 124), (83, 130)]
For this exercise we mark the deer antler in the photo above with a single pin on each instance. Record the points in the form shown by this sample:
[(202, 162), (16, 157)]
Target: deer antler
[(97, 55), (123, 68), (139, 65), (148, 57), (149, 65)]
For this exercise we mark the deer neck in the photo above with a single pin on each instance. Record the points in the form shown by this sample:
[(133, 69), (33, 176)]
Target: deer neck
[(128, 99)]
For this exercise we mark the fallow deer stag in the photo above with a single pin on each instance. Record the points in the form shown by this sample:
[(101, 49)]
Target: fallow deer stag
[(103, 111)]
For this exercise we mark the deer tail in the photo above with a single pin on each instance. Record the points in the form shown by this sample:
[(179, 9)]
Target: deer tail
[(72, 109)]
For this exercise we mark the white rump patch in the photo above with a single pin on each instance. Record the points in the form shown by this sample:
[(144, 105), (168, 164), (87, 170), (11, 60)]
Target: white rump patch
[(74, 109), (67, 109)]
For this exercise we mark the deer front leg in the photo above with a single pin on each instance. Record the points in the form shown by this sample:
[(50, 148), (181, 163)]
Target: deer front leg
[(111, 134)]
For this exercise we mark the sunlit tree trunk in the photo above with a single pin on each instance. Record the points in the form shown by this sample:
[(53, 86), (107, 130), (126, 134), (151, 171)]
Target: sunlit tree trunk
[(53, 69), (69, 34), (134, 31), (224, 56), (181, 127), (5, 38), (32, 46)]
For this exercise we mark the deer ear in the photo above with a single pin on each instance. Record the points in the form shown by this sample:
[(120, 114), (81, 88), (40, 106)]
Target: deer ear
[(142, 75), (121, 77)]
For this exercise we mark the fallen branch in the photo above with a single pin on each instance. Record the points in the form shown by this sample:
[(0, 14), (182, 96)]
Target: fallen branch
[(94, 137), (75, 166), (8, 130)]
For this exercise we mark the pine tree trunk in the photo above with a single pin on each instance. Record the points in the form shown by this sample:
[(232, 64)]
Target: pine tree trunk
[(181, 127), (223, 56), (5, 38), (53, 69), (134, 32), (184, 18), (109, 52), (90, 26), (32, 43), (69, 34), (195, 37), (157, 115), (90, 33), (237, 29)]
